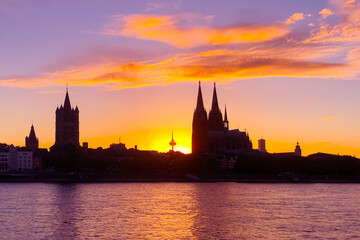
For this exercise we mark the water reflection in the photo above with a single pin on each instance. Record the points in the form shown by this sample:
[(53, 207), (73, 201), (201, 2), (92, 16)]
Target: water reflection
[(66, 211), (179, 211), (211, 218)]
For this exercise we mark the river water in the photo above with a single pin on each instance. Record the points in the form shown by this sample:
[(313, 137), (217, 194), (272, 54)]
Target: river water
[(179, 211)]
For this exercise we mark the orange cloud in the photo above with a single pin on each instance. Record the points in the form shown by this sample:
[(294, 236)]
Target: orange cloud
[(295, 18), (222, 64), (266, 51), (325, 13), (328, 118), (170, 29)]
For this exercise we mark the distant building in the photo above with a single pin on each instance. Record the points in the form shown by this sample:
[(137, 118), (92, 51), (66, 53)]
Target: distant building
[(66, 125), (213, 135), (118, 146), (227, 162), (17, 160), (32, 142), (261, 144), (25, 161), (4, 163), (297, 150)]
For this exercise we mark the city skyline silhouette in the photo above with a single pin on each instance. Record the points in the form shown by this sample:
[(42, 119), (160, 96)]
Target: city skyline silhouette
[(133, 70)]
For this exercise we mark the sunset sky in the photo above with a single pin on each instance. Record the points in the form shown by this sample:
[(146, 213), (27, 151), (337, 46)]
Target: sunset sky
[(287, 71)]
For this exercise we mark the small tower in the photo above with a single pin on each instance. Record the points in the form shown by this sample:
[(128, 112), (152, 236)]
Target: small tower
[(226, 121), (297, 150), (172, 142), (261, 144), (32, 142)]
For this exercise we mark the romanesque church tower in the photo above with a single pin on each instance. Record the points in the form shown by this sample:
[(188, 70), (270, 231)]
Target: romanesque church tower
[(67, 125), (199, 126)]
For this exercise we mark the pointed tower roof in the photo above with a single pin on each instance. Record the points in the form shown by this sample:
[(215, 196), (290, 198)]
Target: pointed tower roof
[(67, 104), (225, 117), (32, 134), (200, 103), (215, 105)]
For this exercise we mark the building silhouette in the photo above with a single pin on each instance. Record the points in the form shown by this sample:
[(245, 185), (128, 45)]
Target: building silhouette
[(32, 142), (212, 135), (297, 150), (261, 144), (66, 125)]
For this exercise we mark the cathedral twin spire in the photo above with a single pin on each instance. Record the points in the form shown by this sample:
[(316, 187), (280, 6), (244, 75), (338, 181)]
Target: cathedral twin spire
[(210, 133), (215, 121), (215, 105), (200, 126), (200, 103)]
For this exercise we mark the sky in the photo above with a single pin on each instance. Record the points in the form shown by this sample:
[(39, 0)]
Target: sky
[(287, 71)]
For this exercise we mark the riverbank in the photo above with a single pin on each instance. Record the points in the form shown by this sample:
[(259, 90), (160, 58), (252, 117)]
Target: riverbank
[(238, 179)]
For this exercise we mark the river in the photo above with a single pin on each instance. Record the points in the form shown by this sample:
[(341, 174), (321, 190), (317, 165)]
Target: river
[(179, 211)]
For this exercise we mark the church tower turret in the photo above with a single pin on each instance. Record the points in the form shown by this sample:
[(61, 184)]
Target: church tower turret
[(215, 117), (297, 150), (32, 142), (199, 126)]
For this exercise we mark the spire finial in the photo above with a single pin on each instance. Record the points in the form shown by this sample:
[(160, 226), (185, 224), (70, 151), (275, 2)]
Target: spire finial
[(67, 104), (67, 87)]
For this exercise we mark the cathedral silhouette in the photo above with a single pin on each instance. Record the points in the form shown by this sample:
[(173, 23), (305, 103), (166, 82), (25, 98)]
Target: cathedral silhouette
[(212, 135)]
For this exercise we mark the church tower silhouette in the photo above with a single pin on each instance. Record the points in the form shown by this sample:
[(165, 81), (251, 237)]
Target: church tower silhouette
[(66, 125), (199, 126), (32, 142)]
